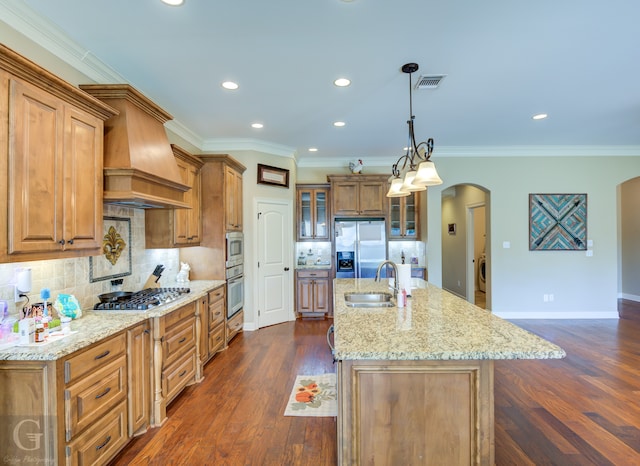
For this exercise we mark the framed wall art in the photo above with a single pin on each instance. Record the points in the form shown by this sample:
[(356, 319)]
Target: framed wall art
[(273, 175), (557, 222), (115, 260)]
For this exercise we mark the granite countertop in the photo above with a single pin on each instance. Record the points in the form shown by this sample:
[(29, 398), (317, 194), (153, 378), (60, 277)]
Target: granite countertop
[(94, 326), (435, 325)]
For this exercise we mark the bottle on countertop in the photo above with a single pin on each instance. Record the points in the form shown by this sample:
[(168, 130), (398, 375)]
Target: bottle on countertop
[(40, 333)]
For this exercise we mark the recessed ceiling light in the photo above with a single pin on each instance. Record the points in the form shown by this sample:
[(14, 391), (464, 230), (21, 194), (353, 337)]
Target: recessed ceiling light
[(339, 124), (313, 149), (540, 116), (173, 2), (230, 85), (257, 125), (342, 82)]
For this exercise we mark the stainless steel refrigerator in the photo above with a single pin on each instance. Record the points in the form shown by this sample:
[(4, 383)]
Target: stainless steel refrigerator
[(360, 247)]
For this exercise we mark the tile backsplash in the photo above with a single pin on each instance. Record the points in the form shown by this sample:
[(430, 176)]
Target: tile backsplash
[(72, 275)]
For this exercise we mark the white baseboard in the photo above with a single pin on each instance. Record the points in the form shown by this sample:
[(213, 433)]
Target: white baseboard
[(558, 315), (630, 297)]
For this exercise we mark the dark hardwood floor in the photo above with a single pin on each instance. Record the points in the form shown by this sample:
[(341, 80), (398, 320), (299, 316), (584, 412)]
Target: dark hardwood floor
[(581, 410)]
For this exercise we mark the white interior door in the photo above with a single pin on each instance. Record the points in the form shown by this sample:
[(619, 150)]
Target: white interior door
[(275, 273)]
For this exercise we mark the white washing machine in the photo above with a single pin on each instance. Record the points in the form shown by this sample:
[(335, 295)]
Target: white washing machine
[(482, 272)]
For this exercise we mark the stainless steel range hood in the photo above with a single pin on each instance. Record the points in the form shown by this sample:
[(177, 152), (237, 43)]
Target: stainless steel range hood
[(139, 166)]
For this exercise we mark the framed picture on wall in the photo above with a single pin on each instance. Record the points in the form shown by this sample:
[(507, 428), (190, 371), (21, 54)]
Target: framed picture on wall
[(451, 228), (557, 222), (273, 175)]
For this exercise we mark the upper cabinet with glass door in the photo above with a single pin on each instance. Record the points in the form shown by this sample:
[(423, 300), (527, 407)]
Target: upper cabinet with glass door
[(313, 212), (404, 217)]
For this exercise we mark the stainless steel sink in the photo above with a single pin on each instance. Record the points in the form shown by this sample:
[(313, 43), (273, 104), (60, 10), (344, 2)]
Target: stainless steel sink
[(372, 299)]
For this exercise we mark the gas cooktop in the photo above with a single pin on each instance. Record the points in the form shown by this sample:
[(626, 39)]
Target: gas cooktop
[(143, 300)]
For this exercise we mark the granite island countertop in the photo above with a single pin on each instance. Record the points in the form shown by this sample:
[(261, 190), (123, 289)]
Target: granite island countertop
[(94, 326), (435, 325)]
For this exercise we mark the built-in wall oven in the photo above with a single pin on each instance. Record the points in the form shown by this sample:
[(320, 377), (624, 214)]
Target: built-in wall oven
[(235, 290), (234, 272)]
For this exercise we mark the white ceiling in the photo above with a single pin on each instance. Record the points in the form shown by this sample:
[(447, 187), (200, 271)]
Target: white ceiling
[(505, 60)]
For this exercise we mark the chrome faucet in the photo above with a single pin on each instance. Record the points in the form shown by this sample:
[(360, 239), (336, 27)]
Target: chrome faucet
[(395, 275)]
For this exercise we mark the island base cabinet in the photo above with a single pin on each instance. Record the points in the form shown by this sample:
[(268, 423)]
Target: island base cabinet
[(415, 412)]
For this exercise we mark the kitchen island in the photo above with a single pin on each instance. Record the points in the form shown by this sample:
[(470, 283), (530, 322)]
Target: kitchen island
[(415, 384)]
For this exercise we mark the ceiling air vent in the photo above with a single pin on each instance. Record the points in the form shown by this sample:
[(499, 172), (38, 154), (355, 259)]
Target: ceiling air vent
[(429, 82)]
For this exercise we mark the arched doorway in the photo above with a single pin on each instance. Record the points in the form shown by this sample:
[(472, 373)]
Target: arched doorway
[(629, 248), (466, 243)]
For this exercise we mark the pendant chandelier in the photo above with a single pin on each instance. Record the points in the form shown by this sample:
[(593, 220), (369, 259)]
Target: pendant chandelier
[(413, 171)]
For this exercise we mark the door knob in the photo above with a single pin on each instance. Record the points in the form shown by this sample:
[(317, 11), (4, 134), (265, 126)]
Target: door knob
[(286, 269)]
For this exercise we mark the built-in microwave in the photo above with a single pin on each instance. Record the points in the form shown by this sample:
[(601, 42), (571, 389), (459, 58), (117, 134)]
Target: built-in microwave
[(234, 249)]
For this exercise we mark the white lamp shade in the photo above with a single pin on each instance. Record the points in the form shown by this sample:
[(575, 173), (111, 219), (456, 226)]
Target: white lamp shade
[(427, 175), (408, 185), (396, 189)]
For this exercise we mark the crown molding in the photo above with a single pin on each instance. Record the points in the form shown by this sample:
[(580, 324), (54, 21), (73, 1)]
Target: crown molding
[(19, 16), (484, 152), (248, 144), (185, 133), (537, 151)]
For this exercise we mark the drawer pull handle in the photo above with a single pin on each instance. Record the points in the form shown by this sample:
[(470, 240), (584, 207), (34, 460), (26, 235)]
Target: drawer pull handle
[(104, 444), (100, 356), (182, 373), (103, 393), (183, 340)]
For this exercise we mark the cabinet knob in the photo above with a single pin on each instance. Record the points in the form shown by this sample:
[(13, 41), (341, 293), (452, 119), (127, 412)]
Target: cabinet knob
[(70, 241), (286, 269), (62, 241)]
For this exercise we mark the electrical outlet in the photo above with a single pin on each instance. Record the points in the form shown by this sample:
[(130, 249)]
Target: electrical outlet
[(459, 284), (551, 297), (545, 298)]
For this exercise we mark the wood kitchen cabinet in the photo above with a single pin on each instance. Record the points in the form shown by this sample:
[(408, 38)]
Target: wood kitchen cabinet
[(212, 318), (52, 139), (139, 373), (313, 292), (217, 311), (95, 402), (358, 195), (175, 357), (438, 411), (221, 208), (75, 406), (234, 325), (233, 198), (168, 228), (404, 217), (312, 212)]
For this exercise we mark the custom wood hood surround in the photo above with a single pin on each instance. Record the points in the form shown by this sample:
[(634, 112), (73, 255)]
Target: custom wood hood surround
[(139, 166)]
